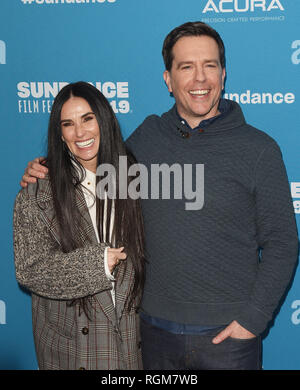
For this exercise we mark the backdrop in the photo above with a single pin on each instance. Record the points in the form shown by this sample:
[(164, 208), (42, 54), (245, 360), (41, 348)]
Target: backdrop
[(116, 45)]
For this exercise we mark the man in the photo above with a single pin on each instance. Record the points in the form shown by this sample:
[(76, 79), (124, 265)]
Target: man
[(217, 269)]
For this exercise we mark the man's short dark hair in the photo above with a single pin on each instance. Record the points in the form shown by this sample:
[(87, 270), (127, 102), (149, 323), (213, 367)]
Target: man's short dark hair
[(186, 30)]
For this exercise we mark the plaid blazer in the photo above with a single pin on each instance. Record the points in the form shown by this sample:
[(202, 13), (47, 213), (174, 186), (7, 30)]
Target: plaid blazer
[(65, 338)]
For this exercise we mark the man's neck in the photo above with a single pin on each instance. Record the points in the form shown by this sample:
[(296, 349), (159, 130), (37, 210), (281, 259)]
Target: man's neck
[(195, 122)]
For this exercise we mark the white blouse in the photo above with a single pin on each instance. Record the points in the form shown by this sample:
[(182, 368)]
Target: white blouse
[(90, 197)]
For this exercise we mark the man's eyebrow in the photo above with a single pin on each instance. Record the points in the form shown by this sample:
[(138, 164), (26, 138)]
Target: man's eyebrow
[(183, 63), (212, 60)]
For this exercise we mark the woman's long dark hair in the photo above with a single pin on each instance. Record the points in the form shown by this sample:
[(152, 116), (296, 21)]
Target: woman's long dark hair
[(65, 179)]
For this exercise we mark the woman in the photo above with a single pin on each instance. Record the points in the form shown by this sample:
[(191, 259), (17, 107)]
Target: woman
[(84, 293)]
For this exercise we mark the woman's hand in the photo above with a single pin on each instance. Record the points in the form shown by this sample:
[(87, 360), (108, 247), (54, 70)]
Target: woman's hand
[(114, 256)]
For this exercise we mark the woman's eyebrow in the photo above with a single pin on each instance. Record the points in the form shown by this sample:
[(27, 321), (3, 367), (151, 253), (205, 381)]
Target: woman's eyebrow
[(82, 116)]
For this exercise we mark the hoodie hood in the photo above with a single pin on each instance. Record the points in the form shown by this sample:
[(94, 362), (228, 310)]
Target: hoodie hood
[(232, 118)]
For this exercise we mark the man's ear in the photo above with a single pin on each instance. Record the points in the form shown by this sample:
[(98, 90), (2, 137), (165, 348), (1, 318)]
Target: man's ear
[(223, 77), (167, 78)]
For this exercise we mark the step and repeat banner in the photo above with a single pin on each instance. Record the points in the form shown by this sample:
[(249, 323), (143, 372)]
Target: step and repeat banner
[(116, 45)]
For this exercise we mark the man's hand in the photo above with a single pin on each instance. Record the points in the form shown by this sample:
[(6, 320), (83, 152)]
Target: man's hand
[(114, 255), (34, 170), (234, 330)]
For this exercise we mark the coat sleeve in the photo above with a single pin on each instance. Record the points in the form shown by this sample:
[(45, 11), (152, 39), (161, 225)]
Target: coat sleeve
[(43, 268), (277, 239)]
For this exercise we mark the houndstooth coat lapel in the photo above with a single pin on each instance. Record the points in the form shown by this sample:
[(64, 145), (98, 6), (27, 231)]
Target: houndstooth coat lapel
[(44, 198)]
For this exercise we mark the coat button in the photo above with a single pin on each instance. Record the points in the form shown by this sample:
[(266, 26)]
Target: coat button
[(85, 331)]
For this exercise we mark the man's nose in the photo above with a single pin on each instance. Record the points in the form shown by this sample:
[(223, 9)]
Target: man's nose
[(200, 73)]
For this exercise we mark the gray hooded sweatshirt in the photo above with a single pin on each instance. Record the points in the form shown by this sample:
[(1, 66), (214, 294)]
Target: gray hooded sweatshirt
[(231, 256)]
